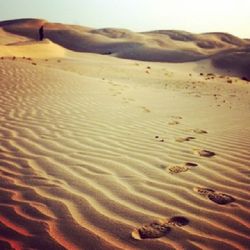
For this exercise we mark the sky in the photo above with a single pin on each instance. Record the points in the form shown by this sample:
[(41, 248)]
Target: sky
[(197, 16)]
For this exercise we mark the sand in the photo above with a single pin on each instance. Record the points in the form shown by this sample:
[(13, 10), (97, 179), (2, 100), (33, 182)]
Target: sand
[(99, 152)]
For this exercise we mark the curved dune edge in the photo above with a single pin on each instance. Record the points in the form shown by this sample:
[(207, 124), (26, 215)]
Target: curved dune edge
[(154, 46), (226, 61), (159, 45), (93, 148), (44, 49)]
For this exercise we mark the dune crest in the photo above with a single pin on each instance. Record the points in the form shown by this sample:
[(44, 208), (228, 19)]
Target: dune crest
[(113, 40), (43, 49), (157, 46)]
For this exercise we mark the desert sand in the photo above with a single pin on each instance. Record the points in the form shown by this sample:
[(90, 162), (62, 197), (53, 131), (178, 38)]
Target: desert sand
[(99, 152)]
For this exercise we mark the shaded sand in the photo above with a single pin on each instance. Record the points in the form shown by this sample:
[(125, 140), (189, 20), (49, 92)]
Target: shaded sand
[(86, 140)]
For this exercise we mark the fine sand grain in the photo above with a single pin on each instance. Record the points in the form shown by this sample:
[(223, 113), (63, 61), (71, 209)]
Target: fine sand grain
[(97, 154)]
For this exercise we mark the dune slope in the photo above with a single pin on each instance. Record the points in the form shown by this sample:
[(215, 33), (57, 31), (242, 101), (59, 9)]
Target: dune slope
[(161, 45), (237, 62)]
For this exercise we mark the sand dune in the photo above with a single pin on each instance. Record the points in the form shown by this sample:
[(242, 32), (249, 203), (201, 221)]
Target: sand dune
[(162, 45), (156, 46), (237, 62), (99, 152), (7, 38)]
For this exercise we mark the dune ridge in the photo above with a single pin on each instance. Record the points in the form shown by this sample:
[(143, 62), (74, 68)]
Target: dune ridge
[(157, 46)]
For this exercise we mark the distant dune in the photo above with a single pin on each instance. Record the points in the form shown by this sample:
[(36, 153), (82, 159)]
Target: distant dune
[(158, 46), (237, 62)]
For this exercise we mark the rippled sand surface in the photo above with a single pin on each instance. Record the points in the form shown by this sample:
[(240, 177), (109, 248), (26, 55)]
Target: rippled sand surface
[(102, 153)]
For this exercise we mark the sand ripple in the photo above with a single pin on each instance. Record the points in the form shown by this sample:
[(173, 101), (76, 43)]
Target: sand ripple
[(81, 169)]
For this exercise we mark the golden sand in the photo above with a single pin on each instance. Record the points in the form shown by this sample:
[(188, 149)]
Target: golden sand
[(88, 143)]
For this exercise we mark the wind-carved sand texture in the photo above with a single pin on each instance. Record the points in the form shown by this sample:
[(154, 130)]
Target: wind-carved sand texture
[(86, 146)]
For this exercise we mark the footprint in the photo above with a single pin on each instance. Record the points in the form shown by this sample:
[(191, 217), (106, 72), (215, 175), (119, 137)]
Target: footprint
[(191, 164), (189, 138), (163, 167), (220, 198), (179, 221), (199, 131), (176, 169), (176, 117), (216, 197), (154, 230), (146, 109), (158, 228), (205, 153), (160, 140), (203, 191), (173, 123)]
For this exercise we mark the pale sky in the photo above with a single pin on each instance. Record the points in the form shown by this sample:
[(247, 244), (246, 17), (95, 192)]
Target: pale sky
[(232, 16)]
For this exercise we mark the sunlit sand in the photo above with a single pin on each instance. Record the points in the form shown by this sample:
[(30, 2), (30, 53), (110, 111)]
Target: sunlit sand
[(116, 150)]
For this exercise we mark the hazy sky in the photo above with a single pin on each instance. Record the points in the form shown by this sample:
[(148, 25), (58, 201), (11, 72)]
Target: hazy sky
[(231, 16)]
